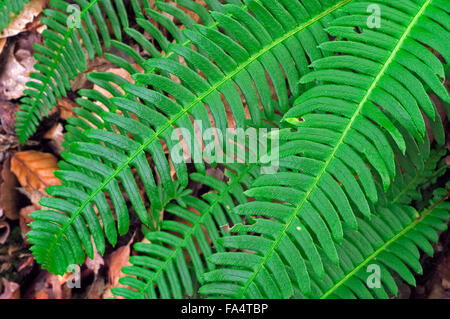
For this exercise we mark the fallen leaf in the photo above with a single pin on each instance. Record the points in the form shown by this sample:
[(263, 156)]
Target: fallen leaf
[(56, 137), (34, 170), (19, 64), (65, 106), (19, 22), (25, 219), (8, 192), (4, 231), (10, 289), (8, 117), (2, 45), (117, 260)]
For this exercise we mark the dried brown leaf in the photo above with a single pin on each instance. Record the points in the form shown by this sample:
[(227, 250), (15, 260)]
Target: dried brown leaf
[(34, 170), (56, 137), (8, 192), (25, 219), (16, 73), (2, 44), (117, 260), (65, 106), (4, 231), (10, 289)]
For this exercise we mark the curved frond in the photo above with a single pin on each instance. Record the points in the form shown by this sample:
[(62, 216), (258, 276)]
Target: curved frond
[(62, 57), (77, 33), (118, 151), (341, 147)]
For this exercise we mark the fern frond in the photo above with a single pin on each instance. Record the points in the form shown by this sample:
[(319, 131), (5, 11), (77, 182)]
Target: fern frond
[(390, 242), (9, 8), (160, 270), (393, 228), (101, 164), (344, 128), (415, 171)]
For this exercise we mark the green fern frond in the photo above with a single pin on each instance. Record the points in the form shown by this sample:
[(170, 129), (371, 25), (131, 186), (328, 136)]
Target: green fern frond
[(8, 9), (393, 228), (102, 163), (160, 270), (341, 130), (89, 112), (391, 241)]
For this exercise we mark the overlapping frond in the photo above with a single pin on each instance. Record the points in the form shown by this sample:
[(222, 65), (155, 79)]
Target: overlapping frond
[(188, 235), (416, 170), (388, 244), (391, 239), (118, 149), (368, 90), (9, 8)]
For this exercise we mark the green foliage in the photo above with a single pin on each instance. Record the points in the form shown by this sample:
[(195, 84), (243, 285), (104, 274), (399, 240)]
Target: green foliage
[(101, 159), (8, 9), (343, 272), (75, 33), (391, 240), (159, 271), (339, 131), (354, 153)]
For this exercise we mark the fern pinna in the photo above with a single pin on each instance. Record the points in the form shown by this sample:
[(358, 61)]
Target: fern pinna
[(350, 101)]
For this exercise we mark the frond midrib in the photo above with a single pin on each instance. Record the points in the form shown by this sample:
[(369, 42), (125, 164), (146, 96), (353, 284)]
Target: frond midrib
[(29, 114), (173, 120), (383, 247), (335, 149)]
